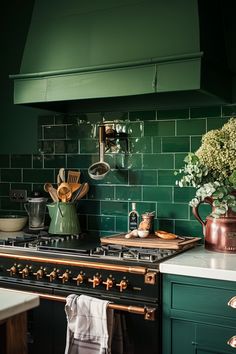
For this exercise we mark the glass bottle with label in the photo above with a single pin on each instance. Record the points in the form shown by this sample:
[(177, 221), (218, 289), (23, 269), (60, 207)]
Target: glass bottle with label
[(133, 220)]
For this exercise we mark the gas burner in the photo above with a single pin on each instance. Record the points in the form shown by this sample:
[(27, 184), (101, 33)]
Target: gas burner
[(37, 240), (149, 255), (21, 241), (45, 240), (36, 232)]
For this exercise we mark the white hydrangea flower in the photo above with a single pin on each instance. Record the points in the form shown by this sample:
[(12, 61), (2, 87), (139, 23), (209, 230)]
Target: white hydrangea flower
[(212, 169)]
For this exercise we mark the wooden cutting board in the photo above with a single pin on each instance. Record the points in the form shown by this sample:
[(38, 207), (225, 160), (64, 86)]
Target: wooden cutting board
[(151, 241)]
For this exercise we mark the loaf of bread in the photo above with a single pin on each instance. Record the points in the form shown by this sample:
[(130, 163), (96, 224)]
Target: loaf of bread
[(165, 235)]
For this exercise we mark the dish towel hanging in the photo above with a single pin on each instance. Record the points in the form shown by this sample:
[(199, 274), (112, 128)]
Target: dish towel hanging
[(89, 322), (93, 328)]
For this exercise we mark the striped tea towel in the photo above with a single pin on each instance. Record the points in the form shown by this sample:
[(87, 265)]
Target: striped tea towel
[(88, 320)]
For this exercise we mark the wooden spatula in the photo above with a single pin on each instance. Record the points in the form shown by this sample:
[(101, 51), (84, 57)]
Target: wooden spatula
[(73, 177)]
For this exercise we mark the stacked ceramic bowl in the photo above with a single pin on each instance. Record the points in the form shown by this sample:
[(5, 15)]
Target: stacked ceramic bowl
[(11, 223)]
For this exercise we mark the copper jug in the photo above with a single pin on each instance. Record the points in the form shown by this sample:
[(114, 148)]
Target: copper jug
[(219, 233)]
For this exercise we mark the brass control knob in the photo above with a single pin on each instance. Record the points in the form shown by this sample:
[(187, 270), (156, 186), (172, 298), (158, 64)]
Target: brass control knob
[(25, 271), (40, 273), (79, 279), (109, 282), (123, 284), (96, 280), (53, 275), (65, 276), (13, 270)]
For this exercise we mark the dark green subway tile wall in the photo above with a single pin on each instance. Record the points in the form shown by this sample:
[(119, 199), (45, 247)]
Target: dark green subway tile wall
[(142, 165)]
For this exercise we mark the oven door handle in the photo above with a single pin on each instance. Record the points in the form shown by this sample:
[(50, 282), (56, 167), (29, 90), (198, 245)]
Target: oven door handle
[(149, 313)]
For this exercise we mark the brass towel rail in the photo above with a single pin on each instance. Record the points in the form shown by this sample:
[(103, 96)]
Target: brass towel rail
[(147, 312)]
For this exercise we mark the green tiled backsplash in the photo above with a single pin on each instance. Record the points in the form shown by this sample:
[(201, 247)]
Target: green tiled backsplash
[(143, 173)]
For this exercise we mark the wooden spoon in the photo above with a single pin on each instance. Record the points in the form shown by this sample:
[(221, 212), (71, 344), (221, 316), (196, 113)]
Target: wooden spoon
[(48, 187), (64, 192), (74, 186), (76, 193), (83, 191), (62, 174)]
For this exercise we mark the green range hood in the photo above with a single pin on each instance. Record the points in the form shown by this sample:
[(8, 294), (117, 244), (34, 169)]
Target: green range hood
[(160, 51)]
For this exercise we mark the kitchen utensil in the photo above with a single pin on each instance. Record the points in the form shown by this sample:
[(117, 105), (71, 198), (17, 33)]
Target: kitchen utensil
[(76, 193), (58, 180), (64, 219), (73, 177), (74, 187), (99, 169), (48, 187), (62, 174), (83, 191), (64, 192), (36, 208)]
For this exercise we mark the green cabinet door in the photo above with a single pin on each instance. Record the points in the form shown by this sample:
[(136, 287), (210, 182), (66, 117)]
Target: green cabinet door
[(196, 316), (182, 337), (213, 338)]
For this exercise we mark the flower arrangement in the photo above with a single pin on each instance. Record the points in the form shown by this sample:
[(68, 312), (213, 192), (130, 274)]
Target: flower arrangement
[(212, 169)]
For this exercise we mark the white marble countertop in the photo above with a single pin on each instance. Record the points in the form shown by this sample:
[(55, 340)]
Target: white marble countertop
[(13, 302), (198, 262)]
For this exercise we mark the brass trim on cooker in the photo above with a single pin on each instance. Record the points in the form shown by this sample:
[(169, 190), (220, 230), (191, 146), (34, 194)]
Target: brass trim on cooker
[(148, 312), (104, 266)]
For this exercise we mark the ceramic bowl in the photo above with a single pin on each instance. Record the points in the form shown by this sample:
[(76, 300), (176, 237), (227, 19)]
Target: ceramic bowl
[(143, 233), (12, 222)]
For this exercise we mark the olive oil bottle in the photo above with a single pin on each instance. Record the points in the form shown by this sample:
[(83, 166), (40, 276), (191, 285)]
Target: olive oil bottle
[(133, 219)]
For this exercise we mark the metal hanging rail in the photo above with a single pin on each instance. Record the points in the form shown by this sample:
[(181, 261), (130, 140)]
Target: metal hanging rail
[(147, 312)]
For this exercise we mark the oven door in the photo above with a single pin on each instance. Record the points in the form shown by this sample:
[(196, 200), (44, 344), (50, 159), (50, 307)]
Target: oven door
[(144, 335), (47, 323)]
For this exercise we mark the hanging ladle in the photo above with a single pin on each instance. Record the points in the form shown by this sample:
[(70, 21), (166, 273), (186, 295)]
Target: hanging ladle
[(99, 169)]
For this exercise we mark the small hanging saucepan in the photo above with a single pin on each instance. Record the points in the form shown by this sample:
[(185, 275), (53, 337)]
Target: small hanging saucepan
[(99, 169)]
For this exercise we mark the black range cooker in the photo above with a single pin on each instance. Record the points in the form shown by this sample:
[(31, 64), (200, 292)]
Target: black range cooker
[(56, 266)]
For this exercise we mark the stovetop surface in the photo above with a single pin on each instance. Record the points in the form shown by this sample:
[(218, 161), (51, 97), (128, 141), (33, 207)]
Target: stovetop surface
[(79, 246)]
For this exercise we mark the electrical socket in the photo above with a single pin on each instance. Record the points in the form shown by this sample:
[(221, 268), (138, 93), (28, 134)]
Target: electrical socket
[(18, 195)]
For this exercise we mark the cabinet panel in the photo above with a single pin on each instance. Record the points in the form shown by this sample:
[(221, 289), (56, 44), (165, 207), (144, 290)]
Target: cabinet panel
[(200, 351), (196, 315), (182, 337), (214, 338), (202, 299)]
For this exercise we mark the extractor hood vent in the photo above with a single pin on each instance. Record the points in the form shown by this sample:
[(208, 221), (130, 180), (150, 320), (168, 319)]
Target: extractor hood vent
[(159, 51)]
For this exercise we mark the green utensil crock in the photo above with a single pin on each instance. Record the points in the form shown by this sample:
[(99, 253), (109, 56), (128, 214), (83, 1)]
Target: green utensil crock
[(64, 219)]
